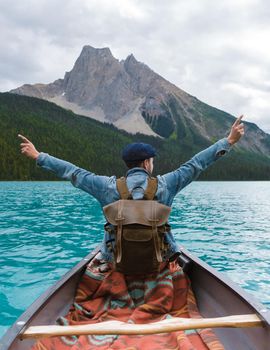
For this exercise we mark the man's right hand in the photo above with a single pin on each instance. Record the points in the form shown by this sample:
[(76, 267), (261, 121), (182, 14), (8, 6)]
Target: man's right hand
[(27, 148), (237, 131)]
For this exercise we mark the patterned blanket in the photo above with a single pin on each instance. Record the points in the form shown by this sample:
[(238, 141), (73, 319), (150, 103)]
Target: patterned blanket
[(104, 294)]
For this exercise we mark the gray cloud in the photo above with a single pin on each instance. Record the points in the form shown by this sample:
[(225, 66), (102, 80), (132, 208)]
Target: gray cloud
[(216, 51)]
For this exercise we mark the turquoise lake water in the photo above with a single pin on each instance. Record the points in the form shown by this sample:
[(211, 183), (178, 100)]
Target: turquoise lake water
[(46, 227)]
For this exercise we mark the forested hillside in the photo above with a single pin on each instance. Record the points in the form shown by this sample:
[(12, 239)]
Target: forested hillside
[(96, 146)]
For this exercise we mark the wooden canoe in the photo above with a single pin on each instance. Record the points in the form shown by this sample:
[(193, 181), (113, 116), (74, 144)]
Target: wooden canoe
[(216, 296)]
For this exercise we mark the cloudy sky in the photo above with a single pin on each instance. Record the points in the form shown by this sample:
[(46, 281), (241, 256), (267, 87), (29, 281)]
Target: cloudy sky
[(218, 51)]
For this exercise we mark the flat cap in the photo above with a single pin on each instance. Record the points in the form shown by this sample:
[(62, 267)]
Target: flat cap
[(138, 151)]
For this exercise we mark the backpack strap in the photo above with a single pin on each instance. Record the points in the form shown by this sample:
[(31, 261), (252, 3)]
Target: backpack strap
[(154, 222), (122, 188), (149, 192), (151, 188), (118, 242)]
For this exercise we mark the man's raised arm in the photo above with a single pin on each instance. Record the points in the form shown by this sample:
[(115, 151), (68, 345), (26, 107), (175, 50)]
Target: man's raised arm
[(81, 178), (189, 171)]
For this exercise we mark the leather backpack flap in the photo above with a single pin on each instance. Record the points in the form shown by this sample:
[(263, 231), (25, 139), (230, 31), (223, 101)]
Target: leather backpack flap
[(143, 212)]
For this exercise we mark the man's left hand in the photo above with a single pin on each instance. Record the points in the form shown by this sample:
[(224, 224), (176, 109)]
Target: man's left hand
[(27, 148)]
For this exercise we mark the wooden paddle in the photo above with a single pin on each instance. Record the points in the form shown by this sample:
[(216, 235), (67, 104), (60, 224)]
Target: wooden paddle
[(165, 326)]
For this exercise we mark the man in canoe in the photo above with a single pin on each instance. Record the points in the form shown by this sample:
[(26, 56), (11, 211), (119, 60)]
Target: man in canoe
[(105, 293), (139, 159)]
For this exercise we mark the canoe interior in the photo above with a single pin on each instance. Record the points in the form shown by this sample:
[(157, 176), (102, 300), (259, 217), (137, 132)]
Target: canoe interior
[(60, 304), (216, 296), (55, 302)]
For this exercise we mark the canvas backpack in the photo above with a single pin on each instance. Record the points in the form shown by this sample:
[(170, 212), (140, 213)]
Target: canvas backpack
[(139, 227)]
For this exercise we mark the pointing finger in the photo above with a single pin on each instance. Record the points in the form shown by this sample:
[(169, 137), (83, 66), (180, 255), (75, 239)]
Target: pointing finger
[(23, 138), (238, 120)]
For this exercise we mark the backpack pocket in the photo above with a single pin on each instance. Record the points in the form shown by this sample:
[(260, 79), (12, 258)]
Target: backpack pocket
[(137, 234)]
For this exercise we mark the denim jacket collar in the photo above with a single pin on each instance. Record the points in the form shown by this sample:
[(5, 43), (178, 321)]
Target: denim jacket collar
[(137, 170)]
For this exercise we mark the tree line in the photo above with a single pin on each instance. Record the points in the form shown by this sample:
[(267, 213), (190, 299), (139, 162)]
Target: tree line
[(96, 146)]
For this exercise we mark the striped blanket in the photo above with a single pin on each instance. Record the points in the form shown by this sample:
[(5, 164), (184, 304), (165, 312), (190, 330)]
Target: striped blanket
[(104, 294)]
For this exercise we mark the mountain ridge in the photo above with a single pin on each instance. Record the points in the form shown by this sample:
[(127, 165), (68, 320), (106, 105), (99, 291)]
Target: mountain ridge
[(133, 97), (97, 146)]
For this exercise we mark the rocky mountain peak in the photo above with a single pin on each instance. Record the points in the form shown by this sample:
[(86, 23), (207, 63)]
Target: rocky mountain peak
[(90, 59), (92, 69), (131, 65), (133, 97), (130, 59), (90, 52)]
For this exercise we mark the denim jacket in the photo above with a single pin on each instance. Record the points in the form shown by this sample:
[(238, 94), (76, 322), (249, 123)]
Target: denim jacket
[(103, 188)]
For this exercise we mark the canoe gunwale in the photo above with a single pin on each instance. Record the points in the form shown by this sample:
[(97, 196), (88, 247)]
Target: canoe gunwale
[(22, 322), (246, 297)]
